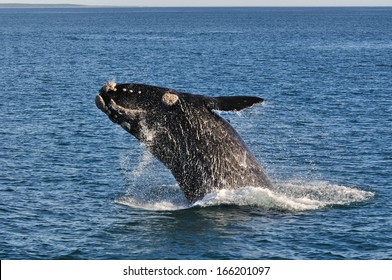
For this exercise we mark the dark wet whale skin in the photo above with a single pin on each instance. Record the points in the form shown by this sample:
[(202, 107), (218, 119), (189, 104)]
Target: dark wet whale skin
[(183, 131)]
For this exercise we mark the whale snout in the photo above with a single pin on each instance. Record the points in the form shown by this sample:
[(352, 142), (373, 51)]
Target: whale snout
[(102, 100)]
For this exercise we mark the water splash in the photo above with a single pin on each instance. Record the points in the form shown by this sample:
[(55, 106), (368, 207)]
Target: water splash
[(143, 163), (290, 196), (158, 198), (153, 205), (284, 196)]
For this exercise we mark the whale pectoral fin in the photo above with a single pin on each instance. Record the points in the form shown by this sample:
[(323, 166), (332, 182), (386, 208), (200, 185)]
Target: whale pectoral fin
[(235, 103)]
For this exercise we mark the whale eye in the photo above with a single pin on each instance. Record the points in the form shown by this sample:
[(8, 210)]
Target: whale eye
[(169, 99)]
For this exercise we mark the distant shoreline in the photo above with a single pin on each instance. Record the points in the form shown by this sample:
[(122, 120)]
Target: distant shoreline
[(16, 6), (11, 5)]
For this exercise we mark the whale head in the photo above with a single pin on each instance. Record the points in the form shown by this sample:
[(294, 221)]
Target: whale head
[(143, 109), (133, 106)]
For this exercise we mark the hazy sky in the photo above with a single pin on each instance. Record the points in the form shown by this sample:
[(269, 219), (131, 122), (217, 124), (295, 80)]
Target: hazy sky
[(213, 2)]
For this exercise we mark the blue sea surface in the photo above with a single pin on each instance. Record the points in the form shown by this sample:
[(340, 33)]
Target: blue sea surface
[(75, 186)]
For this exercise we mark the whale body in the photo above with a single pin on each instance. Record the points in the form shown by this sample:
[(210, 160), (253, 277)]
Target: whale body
[(184, 131)]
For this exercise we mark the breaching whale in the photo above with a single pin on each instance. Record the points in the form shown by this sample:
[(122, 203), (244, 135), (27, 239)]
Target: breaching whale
[(184, 131)]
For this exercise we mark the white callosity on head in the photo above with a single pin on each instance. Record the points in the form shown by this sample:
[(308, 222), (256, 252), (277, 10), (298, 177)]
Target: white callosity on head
[(126, 126), (109, 86), (169, 98), (101, 103)]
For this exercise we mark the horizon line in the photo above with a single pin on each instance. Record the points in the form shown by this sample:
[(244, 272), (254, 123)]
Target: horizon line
[(16, 5)]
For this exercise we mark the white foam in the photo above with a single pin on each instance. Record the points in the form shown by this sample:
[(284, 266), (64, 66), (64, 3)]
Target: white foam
[(258, 197), (160, 198), (153, 206), (291, 196), (288, 196)]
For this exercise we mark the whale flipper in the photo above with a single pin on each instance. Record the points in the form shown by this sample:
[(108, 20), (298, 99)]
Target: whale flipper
[(235, 103)]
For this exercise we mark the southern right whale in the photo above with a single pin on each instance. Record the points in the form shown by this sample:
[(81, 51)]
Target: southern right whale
[(184, 131)]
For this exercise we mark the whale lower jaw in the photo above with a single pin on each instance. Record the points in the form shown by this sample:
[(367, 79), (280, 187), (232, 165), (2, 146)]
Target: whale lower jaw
[(101, 104)]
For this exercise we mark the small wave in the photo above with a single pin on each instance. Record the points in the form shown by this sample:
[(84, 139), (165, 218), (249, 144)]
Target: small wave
[(291, 196)]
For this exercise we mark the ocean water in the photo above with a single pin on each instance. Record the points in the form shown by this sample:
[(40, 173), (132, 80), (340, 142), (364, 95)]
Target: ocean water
[(75, 186)]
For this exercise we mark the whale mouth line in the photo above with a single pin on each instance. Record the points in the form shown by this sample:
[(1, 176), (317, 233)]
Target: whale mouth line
[(112, 109)]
